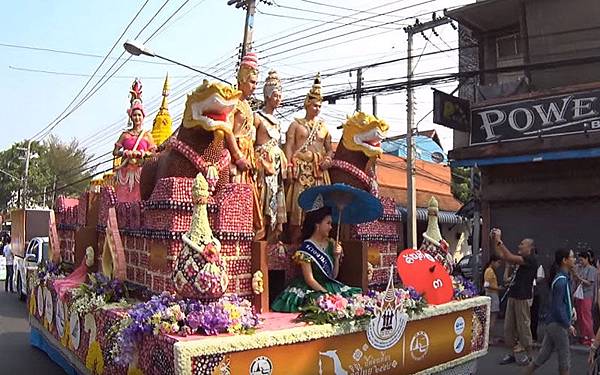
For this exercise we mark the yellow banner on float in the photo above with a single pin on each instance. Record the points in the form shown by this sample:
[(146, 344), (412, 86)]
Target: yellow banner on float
[(425, 343)]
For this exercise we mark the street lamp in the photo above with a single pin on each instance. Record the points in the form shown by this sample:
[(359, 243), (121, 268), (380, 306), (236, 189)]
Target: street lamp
[(137, 48)]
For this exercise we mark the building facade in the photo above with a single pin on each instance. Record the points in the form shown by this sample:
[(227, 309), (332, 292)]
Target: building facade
[(535, 118)]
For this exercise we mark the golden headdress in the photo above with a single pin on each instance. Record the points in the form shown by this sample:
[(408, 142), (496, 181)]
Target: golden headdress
[(272, 84), (315, 91), (162, 126), (248, 67), (136, 98)]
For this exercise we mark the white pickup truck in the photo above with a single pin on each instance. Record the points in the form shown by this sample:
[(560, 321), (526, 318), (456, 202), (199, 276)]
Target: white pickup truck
[(36, 253)]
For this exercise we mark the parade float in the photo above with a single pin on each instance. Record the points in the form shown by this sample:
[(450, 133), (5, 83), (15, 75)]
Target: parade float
[(175, 282)]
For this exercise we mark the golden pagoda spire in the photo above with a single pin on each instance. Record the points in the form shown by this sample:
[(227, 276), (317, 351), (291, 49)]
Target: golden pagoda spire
[(162, 126)]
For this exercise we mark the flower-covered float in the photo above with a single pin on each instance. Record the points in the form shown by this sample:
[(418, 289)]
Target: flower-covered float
[(175, 284)]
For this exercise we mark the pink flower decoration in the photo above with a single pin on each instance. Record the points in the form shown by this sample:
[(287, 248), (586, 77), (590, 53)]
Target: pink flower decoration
[(211, 253), (340, 302)]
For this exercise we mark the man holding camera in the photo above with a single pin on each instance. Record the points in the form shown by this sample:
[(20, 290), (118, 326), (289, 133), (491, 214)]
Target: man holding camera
[(517, 319)]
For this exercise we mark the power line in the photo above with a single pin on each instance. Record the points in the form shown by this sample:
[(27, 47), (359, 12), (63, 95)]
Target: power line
[(50, 125), (74, 53), (327, 22), (358, 11), (153, 17), (338, 27), (98, 86), (166, 21), (317, 12), (61, 188), (182, 16), (70, 74)]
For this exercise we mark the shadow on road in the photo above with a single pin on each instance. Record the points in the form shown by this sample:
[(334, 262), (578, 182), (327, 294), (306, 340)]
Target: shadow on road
[(16, 355), (11, 307)]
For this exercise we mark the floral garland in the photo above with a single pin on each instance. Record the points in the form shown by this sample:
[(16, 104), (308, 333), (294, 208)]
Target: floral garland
[(98, 293), (164, 314), (368, 181), (335, 309)]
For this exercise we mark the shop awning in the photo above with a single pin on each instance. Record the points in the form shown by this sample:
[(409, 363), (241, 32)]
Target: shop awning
[(444, 217), (531, 158), (487, 15)]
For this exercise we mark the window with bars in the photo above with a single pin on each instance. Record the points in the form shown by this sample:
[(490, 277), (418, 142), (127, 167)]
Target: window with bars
[(508, 47)]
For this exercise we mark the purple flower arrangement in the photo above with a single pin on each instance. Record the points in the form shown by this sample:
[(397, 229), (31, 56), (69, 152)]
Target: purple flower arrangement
[(48, 270), (97, 292), (164, 314), (113, 290), (463, 288)]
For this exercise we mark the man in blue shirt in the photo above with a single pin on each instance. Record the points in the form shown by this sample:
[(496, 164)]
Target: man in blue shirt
[(560, 318)]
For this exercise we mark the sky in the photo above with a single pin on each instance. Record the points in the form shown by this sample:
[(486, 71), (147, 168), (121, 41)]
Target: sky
[(295, 37)]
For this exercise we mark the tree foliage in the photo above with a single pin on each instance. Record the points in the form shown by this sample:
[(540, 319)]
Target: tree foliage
[(52, 164)]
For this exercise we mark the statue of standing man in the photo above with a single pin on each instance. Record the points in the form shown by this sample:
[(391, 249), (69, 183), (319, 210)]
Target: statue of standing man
[(309, 154), (271, 163), (241, 143)]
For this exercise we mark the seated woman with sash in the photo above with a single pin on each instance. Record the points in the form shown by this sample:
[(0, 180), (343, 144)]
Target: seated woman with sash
[(319, 259)]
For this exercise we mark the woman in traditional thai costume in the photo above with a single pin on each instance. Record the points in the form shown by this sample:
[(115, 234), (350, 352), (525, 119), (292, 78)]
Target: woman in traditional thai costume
[(133, 147), (319, 259)]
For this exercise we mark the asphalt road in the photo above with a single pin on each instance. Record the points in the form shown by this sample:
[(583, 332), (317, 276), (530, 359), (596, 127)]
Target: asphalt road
[(16, 355), (488, 365)]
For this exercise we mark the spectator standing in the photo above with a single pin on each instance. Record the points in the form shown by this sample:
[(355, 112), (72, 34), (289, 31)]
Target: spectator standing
[(492, 290), (559, 322), (517, 320), (586, 277), (7, 251)]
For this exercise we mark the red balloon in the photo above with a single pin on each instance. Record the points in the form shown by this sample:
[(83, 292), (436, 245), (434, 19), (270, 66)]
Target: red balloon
[(422, 272)]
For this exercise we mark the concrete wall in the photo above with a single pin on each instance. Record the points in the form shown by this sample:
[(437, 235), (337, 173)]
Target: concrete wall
[(550, 38), (554, 18)]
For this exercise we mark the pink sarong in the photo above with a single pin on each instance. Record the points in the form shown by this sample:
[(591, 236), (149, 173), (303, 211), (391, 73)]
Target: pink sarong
[(74, 280), (584, 318)]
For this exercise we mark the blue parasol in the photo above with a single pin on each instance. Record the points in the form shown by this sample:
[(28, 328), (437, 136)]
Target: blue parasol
[(348, 204)]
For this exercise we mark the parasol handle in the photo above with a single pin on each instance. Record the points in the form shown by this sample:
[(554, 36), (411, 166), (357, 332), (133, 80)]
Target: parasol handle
[(339, 225)]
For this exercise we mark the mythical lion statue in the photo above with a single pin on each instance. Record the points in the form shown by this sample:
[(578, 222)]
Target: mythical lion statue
[(354, 160), (198, 145)]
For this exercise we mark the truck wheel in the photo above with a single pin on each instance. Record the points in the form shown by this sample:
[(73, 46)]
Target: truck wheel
[(20, 288)]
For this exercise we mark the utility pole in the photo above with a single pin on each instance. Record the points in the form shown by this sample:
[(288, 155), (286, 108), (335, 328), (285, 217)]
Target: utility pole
[(53, 192), (411, 200), (250, 7), (476, 242), (358, 89), (374, 101), (23, 197), (249, 27)]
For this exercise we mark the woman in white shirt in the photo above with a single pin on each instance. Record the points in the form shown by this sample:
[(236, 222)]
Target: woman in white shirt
[(8, 283)]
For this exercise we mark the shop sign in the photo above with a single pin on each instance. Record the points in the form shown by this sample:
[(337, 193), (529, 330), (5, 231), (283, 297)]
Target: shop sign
[(543, 117)]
